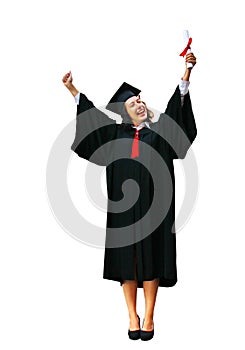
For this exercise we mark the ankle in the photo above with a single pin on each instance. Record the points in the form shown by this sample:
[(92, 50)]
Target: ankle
[(133, 315), (148, 317), (148, 324)]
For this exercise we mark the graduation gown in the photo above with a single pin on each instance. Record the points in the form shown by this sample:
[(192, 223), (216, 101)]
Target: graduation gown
[(140, 233)]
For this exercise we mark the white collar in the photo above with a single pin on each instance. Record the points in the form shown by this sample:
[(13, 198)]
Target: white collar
[(145, 123)]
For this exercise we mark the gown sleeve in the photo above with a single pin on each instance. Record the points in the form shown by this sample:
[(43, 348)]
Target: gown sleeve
[(94, 130), (179, 135)]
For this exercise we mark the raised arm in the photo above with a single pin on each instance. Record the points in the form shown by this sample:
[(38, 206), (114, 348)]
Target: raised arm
[(67, 80), (94, 129), (183, 115), (181, 133)]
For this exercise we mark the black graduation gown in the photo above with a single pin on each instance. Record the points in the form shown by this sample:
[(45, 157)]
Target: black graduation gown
[(146, 247)]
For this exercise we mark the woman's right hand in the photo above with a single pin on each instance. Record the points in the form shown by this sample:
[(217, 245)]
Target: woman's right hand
[(67, 79)]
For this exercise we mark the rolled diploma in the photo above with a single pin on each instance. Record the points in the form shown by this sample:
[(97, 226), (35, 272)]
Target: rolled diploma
[(186, 39)]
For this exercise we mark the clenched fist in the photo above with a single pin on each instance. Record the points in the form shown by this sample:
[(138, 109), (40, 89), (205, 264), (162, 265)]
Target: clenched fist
[(190, 58), (67, 80)]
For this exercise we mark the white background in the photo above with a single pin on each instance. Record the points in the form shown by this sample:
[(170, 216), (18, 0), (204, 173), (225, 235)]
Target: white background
[(53, 295)]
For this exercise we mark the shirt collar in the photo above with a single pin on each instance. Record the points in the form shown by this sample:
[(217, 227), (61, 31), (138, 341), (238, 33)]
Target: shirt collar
[(143, 124)]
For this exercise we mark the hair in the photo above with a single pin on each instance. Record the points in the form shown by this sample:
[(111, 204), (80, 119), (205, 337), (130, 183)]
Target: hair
[(127, 121)]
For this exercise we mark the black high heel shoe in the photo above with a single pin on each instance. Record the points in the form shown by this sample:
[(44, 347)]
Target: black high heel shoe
[(134, 335), (146, 335)]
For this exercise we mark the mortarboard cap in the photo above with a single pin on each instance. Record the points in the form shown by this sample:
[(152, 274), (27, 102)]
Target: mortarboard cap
[(122, 94)]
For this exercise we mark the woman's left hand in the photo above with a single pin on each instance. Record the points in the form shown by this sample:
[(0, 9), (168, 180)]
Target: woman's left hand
[(190, 58)]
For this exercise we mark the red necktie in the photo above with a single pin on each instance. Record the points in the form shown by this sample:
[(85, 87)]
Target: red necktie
[(135, 146)]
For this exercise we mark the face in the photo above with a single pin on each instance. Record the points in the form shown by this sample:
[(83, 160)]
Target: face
[(136, 109)]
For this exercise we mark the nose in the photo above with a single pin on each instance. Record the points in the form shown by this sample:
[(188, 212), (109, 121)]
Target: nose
[(138, 99)]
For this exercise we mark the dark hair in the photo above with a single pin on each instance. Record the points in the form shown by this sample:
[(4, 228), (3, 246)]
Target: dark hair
[(127, 121)]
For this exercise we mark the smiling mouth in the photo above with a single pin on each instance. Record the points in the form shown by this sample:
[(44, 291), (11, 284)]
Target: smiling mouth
[(141, 112)]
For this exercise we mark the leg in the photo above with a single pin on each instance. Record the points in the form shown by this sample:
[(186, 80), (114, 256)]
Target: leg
[(130, 293), (150, 293)]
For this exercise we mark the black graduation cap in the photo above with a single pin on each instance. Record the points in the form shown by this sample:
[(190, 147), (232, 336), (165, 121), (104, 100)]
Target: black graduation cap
[(125, 91)]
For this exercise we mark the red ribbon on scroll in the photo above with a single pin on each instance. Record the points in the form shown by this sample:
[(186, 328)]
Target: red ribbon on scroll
[(188, 46)]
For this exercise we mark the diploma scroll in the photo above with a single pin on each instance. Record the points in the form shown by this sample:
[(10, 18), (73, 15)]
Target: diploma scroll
[(187, 49)]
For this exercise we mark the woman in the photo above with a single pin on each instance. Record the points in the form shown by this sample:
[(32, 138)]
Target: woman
[(147, 261)]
